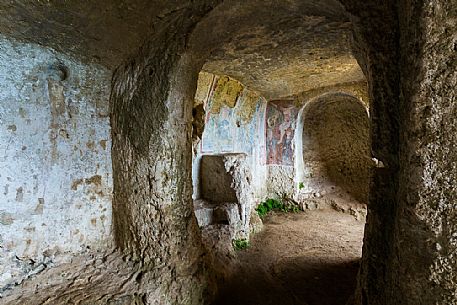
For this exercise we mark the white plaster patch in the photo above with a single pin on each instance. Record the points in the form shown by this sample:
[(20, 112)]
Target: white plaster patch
[(56, 177)]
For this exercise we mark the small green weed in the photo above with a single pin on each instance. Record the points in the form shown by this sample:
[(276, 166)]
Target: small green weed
[(284, 205), (301, 185), (240, 244)]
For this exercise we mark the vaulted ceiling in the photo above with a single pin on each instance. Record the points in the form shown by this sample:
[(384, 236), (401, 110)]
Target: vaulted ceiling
[(279, 48)]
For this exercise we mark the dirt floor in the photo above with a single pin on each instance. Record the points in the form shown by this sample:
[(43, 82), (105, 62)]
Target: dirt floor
[(308, 258)]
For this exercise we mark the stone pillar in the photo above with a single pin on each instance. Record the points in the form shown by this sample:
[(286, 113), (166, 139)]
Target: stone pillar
[(151, 116), (409, 51), (426, 242), (376, 47)]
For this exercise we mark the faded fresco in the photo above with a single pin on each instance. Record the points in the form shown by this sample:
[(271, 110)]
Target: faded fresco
[(280, 119), (231, 122), (247, 136), (219, 133)]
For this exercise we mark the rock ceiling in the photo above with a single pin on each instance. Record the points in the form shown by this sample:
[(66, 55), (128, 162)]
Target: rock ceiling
[(279, 48)]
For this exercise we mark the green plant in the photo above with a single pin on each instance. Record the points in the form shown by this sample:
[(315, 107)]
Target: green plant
[(240, 244), (301, 185), (262, 210), (284, 204), (268, 205)]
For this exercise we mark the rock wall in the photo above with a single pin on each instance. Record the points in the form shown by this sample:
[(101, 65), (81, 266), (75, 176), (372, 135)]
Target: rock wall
[(216, 182), (407, 52), (239, 121), (159, 257), (154, 224), (425, 240), (56, 177), (233, 124), (409, 55), (333, 147), (375, 46), (280, 181), (356, 89)]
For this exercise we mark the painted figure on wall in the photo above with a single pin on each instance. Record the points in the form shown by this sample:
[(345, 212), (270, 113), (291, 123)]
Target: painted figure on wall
[(280, 125), (219, 131), (225, 129), (208, 136), (247, 134)]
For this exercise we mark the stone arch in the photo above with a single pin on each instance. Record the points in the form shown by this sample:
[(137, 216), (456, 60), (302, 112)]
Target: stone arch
[(140, 198), (151, 117), (332, 153)]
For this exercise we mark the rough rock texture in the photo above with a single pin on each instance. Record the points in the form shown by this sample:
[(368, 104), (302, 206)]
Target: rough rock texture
[(356, 89), (335, 146), (406, 50), (55, 160), (215, 181), (226, 180), (222, 218), (204, 87), (242, 181), (280, 181), (409, 241), (226, 92), (376, 48), (198, 124), (152, 188), (94, 279), (220, 224), (151, 127), (208, 213), (301, 46), (260, 46), (230, 128), (103, 32), (425, 240), (217, 240)]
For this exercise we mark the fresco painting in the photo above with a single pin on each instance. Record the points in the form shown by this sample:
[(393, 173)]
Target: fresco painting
[(225, 129), (247, 135), (262, 148), (219, 132), (280, 121), (208, 143)]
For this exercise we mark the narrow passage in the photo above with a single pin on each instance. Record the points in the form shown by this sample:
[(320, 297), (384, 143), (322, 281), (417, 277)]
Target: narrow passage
[(308, 258)]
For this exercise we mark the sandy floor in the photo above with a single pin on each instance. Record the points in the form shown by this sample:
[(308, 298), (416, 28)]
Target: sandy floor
[(309, 258)]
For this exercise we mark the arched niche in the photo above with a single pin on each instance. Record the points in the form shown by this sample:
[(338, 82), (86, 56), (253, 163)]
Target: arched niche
[(332, 153)]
